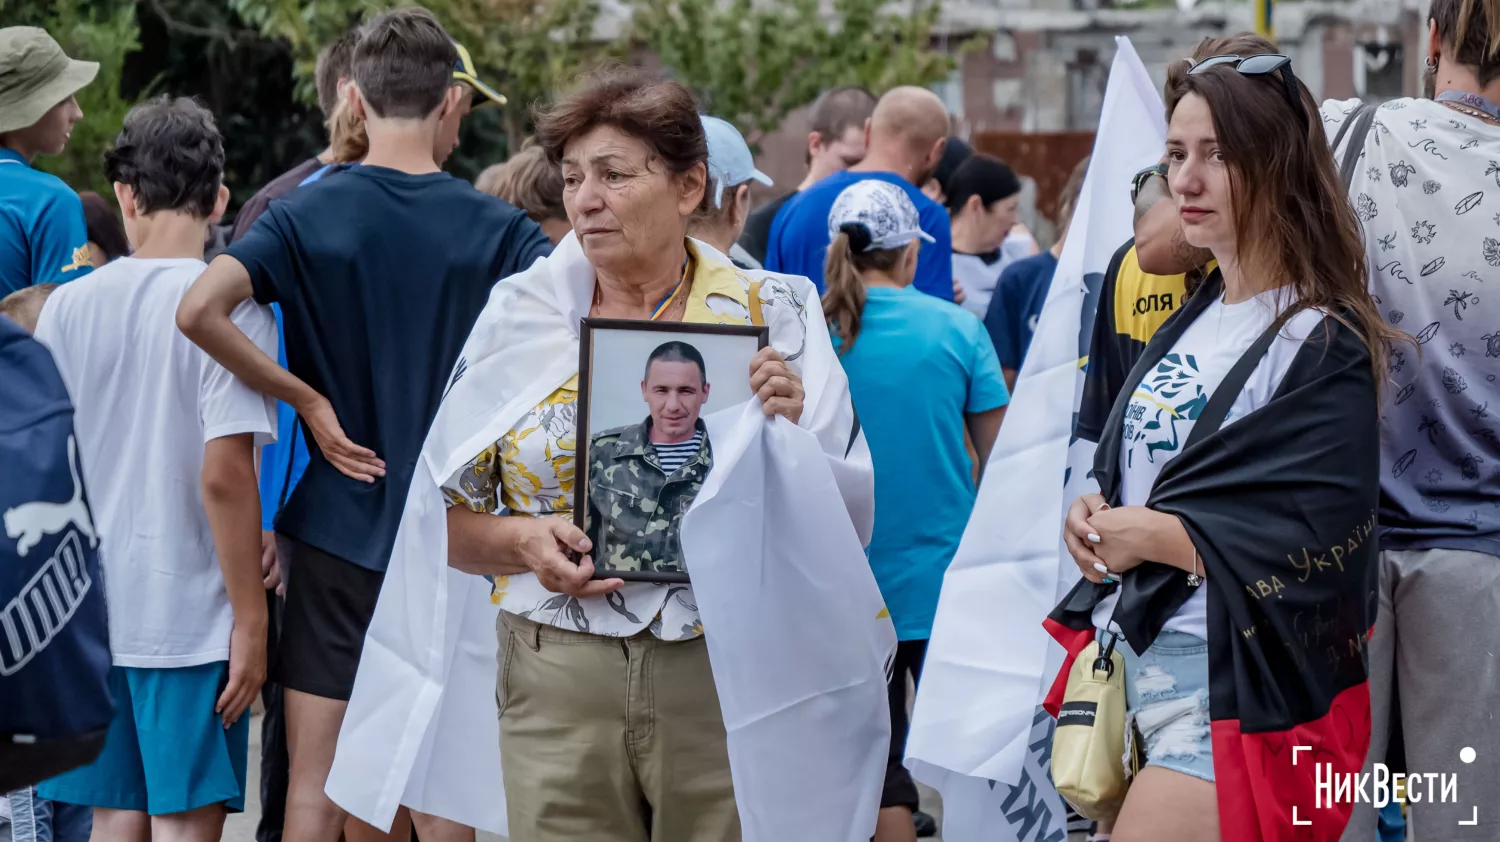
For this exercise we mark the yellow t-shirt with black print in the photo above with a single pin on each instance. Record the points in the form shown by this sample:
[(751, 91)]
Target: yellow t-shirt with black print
[(1133, 305)]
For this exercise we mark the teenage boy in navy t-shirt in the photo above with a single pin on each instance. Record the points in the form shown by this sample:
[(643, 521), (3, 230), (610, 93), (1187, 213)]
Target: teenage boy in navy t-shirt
[(380, 271)]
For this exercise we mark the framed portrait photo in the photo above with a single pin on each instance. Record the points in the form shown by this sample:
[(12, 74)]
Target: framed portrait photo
[(643, 450)]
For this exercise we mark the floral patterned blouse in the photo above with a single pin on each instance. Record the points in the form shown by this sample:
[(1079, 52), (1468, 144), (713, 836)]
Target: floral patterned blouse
[(530, 472)]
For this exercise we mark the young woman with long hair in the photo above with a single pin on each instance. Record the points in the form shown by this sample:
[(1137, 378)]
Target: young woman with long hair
[(922, 373), (1232, 562)]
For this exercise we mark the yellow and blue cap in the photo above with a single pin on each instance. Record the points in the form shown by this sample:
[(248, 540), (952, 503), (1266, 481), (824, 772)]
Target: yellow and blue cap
[(465, 72)]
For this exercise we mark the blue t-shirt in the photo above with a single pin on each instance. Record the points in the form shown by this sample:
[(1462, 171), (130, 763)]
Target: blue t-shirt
[(799, 234), (917, 367), (375, 310), (43, 238), (1016, 306), (274, 470)]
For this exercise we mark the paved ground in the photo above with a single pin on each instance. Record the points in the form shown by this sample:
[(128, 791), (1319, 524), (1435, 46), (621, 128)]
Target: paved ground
[(241, 828)]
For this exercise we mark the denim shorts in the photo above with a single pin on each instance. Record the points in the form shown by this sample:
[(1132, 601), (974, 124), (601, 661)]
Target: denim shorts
[(1166, 694)]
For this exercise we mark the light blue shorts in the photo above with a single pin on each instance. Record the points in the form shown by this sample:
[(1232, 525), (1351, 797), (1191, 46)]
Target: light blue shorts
[(1166, 693), (166, 751)]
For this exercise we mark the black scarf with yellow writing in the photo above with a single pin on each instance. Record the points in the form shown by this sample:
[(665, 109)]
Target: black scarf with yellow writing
[(1281, 507)]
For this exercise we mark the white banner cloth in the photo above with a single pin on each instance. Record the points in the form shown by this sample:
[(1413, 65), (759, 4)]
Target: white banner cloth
[(796, 637), (975, 734)]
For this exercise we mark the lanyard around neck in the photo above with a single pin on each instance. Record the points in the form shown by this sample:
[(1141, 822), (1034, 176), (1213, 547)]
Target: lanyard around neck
[(666, 302), (1474, 101)]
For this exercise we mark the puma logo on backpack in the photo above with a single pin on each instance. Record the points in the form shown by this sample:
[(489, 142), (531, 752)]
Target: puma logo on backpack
[(55, 705), (28, 523)]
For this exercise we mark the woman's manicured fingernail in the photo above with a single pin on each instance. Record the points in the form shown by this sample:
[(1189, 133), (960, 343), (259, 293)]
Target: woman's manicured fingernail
[(1109, 580), (1101, 568), (1093, 538)]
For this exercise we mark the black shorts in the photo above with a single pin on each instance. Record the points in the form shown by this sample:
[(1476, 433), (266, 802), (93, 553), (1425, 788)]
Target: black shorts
[(329, 603)]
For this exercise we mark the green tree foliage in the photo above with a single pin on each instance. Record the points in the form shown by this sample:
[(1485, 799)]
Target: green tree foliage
[(525, 48), (251, 62), (305, 25), (752, 62), (197, 48), (201, 48), (93, 31), (535, 48)]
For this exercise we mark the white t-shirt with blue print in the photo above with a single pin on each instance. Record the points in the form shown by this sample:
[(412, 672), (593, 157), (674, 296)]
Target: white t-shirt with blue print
[(1166, 404)]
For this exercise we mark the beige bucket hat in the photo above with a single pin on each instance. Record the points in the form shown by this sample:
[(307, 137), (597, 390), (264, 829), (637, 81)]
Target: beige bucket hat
[(35, 75)]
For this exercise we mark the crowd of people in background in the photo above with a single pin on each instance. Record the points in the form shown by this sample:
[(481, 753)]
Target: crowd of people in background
[(251, 402)]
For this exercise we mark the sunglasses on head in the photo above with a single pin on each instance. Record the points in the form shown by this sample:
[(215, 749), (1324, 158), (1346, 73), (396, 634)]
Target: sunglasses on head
[(1261, 65)]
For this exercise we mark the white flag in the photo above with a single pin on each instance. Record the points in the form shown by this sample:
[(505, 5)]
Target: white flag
[(977, 733)]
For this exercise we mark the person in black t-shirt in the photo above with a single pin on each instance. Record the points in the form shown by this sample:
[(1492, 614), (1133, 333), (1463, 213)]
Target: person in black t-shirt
[(330, 75), (1132, 304), (380, 270), (835, 143)]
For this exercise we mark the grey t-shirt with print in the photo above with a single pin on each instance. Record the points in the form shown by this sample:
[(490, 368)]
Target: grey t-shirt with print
[(1428, 195)]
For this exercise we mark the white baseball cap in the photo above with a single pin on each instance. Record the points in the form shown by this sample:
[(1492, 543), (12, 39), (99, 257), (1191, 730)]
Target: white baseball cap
[(729, 160), (882, 213)]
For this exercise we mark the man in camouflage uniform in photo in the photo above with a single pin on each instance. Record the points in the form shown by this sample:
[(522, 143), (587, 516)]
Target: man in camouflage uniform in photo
[(644, 477)]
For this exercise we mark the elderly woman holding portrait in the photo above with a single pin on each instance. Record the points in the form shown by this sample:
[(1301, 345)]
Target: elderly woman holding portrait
[(620, 717)]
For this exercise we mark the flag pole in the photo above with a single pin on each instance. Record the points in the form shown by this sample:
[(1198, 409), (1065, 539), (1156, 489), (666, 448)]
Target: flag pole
[(1265, 23)]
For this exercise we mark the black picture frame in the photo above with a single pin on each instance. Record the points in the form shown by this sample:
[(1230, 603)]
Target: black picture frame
[(585, 386)]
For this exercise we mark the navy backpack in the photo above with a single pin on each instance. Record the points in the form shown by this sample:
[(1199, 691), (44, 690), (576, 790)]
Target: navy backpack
[(55, 705)]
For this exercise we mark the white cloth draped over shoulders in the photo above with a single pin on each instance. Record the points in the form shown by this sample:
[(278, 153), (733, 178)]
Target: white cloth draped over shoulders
[(796, 630)]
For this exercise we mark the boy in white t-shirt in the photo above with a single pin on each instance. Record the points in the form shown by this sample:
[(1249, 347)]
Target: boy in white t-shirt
[(166, 437)]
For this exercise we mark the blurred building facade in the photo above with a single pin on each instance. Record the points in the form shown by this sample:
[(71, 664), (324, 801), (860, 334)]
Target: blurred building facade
[(1043, 64)]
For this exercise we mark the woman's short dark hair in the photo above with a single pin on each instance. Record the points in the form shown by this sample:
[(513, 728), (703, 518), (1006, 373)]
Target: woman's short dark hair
[(171, 154), (104, 226), (985, 176), (659, 112)]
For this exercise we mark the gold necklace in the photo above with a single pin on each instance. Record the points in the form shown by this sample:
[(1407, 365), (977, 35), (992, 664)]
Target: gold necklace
[(1472, 112)]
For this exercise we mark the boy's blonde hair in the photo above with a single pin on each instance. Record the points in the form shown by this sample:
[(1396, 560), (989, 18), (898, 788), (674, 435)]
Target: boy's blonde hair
[(24, 306), (347, 141)]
